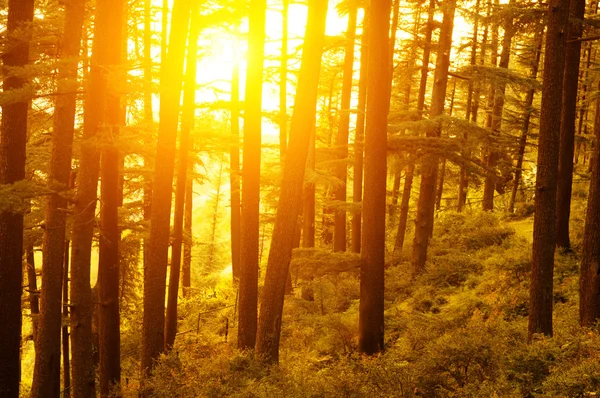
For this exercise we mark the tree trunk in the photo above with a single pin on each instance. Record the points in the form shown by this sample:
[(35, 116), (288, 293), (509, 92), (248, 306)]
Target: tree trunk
[(234, 171), (251, 178), (13, 138), (526, 121), (34, 305), (283, 72), (410, 168), (357, 185), (187, 125), (370, 325), (542, 262), (156, 268), (65, 328), (290, 199), (308, 212), (567, 127), (341, 142), (109, 320), (148, 117), (589, 282), (46, 379), (426, 206), (186, 277)]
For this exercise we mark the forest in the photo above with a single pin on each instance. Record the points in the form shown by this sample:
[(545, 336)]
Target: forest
[(299, 198)]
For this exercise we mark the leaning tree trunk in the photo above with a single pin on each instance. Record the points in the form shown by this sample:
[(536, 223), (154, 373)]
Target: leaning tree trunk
[(290, 199), (567, 127), (187, 125), (426, 205), (47, 365), (249, 250), (341, 141), (370, 324), (542, 262), (589, 281), (156, 268), (13, 136)]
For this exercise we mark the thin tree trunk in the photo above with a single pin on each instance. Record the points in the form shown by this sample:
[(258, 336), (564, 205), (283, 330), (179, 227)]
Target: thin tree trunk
[(542, 262), (187, 125), (148, 116), (357, 185), (526, 121), (34, 305), (370, 324), (410, 168), (283, 72), (186, 277), (308, 212), (249, 249), (426, 206), (567, 128), (156, 269), (341, 142), (290, 200), (589, 282), (234, 171)]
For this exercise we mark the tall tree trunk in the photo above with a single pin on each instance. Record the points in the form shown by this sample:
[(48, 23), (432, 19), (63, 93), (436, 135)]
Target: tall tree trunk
[(234, 171), (357, 185), (463, 182), (440, 188), (156, 268), (249, 249), (187, 125), (308, 212), (46, 379), (109, 321), (341, 141), (370, 324), (290, 199), (410, 168), (567, 127), (539, 38), (13, 138), (589, 282), (426, 206), (542, 262), (148, 116), (283, 72)]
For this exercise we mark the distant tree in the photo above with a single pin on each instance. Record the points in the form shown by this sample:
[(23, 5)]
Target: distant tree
[(290, 198), (567, 127), (370, 326), (429, 168), (542, 261), (171, 80), (47, 366), (251, 178), (13, 138)]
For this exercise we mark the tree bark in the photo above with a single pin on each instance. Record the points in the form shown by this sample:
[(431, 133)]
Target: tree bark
[(187, 125), (156, 269), (290, 199), (308, 212), (567, 127), (542, 263), (589, 281), (370, 324), (250, 210), (426, 205), (341, 141), (186, 274), (13, 138), (234, 171), (34, 305), (66, 355)]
